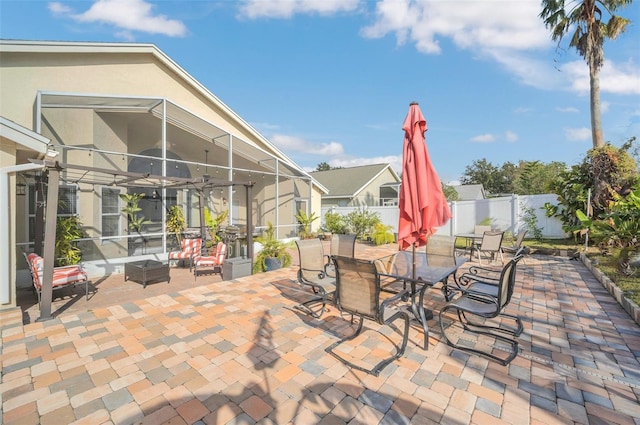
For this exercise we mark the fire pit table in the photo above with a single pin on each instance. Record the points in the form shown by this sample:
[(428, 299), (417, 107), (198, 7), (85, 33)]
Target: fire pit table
[(146, 270)]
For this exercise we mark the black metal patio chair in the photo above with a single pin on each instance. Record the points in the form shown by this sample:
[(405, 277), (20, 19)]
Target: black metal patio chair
[(358, 293), (313, 274), (479, 302)]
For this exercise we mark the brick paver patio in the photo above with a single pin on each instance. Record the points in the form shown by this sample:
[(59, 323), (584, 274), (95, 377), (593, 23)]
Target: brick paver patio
[(237, 352)]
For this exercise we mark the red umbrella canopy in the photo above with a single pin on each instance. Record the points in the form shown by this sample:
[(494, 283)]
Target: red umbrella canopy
[(423, 206)]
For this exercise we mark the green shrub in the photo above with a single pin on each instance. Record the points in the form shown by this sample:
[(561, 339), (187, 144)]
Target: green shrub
[(382, 234), (335, 223), (362, 222)]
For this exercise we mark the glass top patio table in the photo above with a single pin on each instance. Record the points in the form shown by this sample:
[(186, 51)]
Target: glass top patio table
[(471, 240), (428, 271)]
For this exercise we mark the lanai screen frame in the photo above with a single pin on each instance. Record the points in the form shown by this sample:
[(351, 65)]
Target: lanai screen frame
[(258, 164)]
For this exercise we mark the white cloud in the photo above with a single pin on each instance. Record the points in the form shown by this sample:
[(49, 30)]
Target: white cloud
[(484, 138), (297, 144), (577, 134), (510, 136), (509, 32), (614, 78), (568, 109), (620, 78), (284, 9), (604, 106), (471, 25), (521, 110), (58, 8), (126, 15)]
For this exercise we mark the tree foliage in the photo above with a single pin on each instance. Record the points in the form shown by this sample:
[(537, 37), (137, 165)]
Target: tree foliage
[(585, 17), (535, 177), (525, 178), (610, 167), (495, 179), (323, 166), (619, 226), (450, 193)]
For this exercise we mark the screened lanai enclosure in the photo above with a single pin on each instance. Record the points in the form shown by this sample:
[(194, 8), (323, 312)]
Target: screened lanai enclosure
[(124, 138)]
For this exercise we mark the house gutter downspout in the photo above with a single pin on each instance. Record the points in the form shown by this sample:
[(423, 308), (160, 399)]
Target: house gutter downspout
[(5, 230)]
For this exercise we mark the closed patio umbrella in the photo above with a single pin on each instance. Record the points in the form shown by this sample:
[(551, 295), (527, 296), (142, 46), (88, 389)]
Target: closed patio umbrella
[(423, 206)]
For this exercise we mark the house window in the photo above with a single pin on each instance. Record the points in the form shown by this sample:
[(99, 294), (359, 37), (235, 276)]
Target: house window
[(110, 212), (67, 204), (301, 204)]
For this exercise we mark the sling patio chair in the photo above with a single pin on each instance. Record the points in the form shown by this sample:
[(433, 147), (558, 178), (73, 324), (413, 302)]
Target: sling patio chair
[(342, 245), (476, 303), (358, 293), (312, 273), (491, 246), (189, 248), (441, 250), (487, 281), (214, 261), (513, 249), (63, 277)]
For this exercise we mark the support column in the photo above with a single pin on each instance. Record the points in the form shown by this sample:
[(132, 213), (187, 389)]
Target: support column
[(49, 252)]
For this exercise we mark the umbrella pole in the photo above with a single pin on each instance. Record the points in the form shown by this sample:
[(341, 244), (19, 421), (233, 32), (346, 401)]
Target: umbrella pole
[(413, 258)]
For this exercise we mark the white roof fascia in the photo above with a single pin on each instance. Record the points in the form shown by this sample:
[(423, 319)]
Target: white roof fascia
[(23, 136)]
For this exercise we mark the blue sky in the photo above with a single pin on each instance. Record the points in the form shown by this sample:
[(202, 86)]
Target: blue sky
[(331, 80)]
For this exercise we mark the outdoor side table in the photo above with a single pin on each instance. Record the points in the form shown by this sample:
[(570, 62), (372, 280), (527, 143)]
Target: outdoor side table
[(145, 271)]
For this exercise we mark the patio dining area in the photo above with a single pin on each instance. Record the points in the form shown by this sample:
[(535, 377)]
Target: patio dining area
[(209, 351)]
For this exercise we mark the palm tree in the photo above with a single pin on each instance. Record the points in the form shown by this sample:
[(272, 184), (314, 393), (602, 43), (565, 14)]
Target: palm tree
[(588, 39)]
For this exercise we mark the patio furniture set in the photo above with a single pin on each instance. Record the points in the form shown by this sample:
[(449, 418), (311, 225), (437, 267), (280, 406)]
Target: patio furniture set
[(394, 287), (145, 271), (141, 271)]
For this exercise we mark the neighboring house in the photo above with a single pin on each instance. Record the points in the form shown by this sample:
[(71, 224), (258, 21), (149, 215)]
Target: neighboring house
[(470, 192), (366, 185), (119, 108)]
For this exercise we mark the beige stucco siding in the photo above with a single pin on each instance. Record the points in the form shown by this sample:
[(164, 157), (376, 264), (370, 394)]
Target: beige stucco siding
[(103, 74)]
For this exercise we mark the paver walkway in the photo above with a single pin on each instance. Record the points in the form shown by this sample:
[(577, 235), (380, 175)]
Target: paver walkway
[(237, 352)]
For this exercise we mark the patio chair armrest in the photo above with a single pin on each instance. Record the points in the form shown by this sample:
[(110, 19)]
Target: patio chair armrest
[(467, 278), (321, 273), (394, 298), (483, 298), (71, 267), (484, 270)]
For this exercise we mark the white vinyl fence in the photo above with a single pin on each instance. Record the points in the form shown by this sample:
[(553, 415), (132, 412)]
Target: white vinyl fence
[(506, 213)]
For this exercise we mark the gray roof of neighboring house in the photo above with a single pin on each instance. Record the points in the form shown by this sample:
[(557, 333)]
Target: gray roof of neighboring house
[(348, 182), (470, 192)]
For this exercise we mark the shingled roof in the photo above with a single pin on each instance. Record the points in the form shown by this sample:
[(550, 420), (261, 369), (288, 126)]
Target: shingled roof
[(348, 182)]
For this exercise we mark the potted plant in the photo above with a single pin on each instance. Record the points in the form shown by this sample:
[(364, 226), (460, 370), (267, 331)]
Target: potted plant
[(136, 220), (305, 221), (274, 253), (213, 225), (68, 229), (176, 222)]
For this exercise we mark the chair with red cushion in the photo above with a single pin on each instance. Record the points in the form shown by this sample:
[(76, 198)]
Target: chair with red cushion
[(189, 248), (62, 276), (214, 261)]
